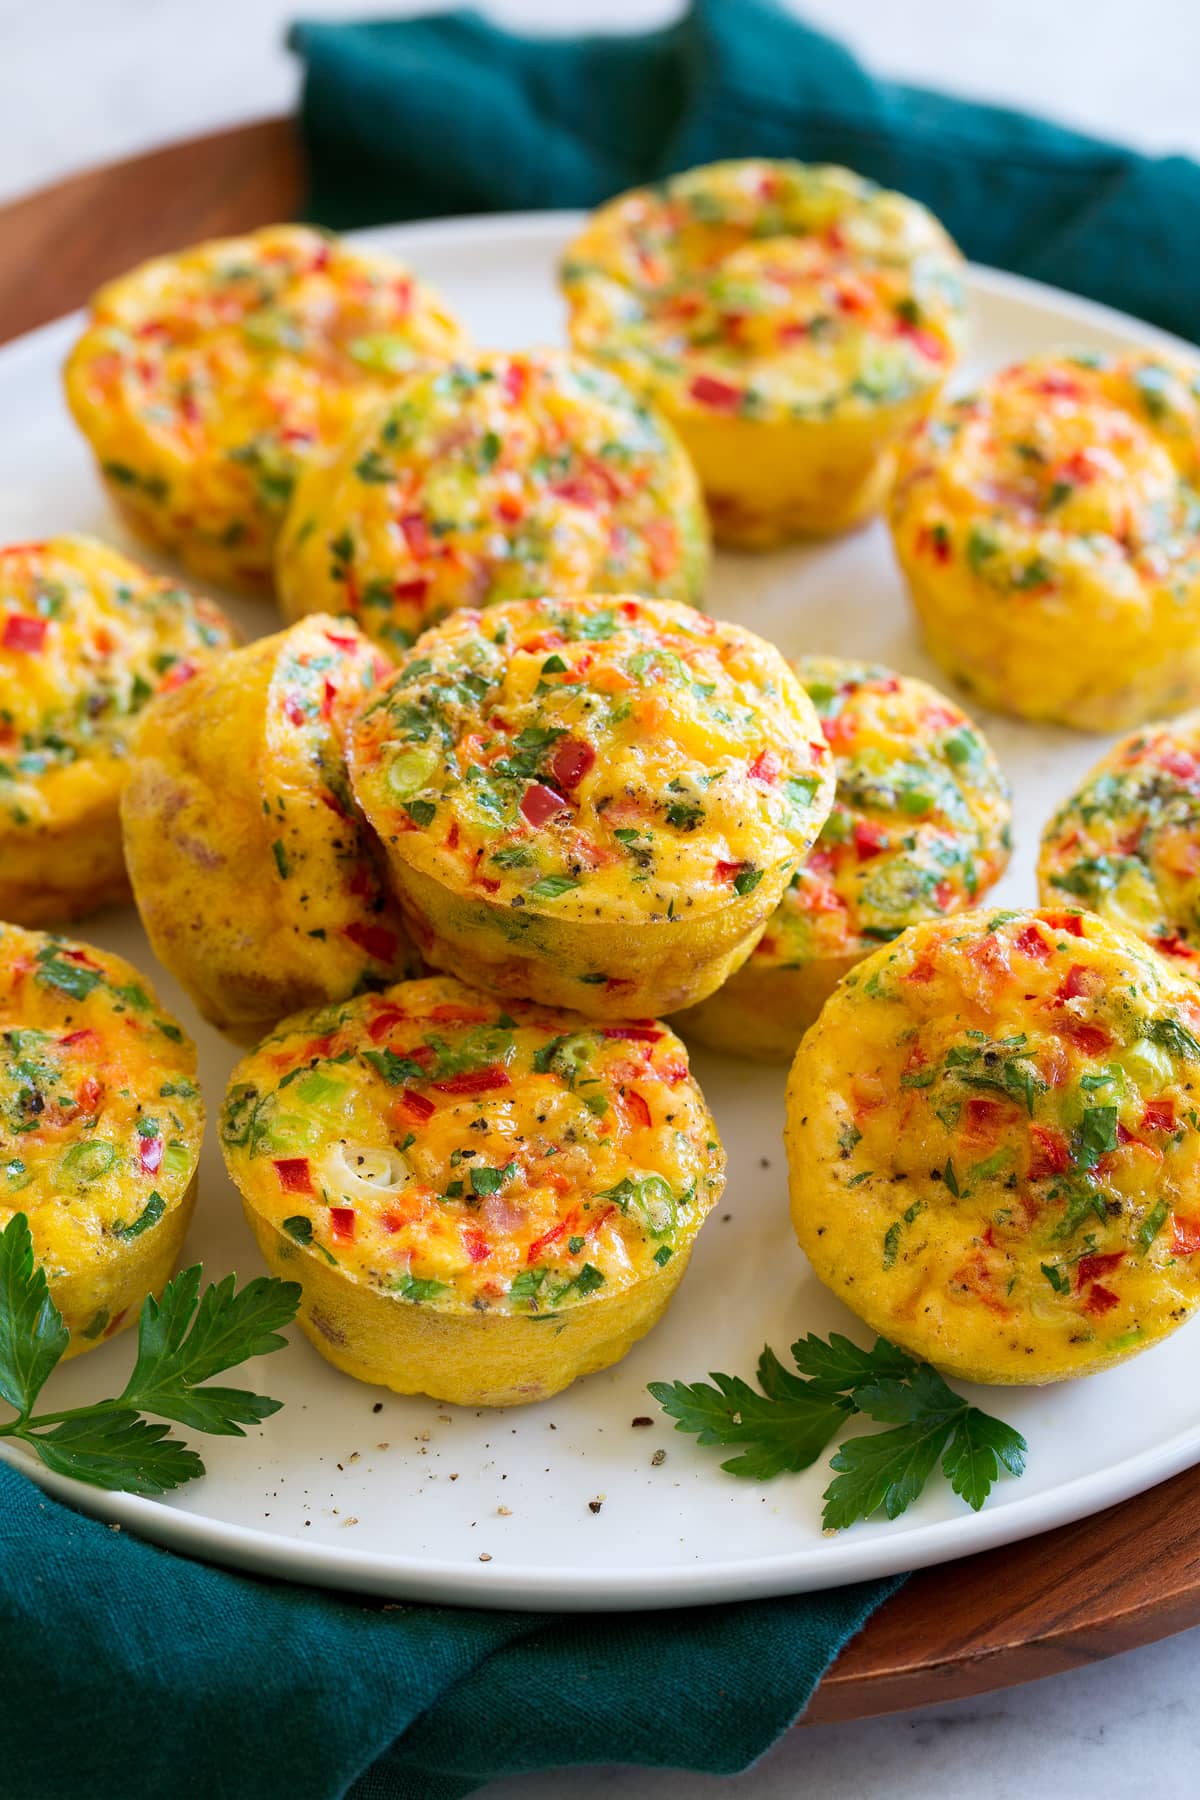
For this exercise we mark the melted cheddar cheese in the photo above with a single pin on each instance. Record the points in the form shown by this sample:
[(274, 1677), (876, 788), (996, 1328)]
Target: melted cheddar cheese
[(1126, 844), (206, 380), (1049, 528), (100, 1126), (87, 638), (453, 1154), (994, 1144), (487, 479), (254, 871), (919, 828)]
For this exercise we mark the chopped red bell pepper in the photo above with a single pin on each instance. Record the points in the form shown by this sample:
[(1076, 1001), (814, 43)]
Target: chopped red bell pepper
[(765, 767), (547, 1238), (343, 1219), (1051, 1152), (722, 396), (294, 1174), (25, 633), (1030, 942), (416, 535), (475, 1081), (637, 1107), (869, 840), (150, 1154), (1070, 922), (1159, 1115), (571, 761), (641, 1034), (1092, 1040), (539, 804), (417, 1104), (1091, 1268)]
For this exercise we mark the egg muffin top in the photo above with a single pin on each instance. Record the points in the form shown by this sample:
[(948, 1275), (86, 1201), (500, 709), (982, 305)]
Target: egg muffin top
[(768, 290), (204, 380), (86, 639), (920, 821), (100, 1115), (600, 758), (1127, 843), (995, 1142), (486, 479), (1080, 468), (448, 1149)]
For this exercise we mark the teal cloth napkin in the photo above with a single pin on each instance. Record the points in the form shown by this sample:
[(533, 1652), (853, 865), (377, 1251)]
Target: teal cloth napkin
[(130, 1672), (421, 117)]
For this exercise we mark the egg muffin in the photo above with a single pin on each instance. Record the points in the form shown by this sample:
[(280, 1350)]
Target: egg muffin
[(994, 1144), (791, 321), (100, 1127), (1048, 526), (919, 829), (1126, 844), (481, 1203), (594, 802), (490, 478), (86, 639), (205, 381), (253, 870)]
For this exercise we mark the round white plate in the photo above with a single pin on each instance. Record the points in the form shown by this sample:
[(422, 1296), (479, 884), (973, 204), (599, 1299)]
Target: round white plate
[(570, 1504)]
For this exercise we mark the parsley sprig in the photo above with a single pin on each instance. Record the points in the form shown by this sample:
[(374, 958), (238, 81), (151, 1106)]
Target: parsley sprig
[(183, 1340), (786, 1426)]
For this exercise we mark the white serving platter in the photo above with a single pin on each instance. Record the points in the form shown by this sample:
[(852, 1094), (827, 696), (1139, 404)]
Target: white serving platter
[(354, 1487)]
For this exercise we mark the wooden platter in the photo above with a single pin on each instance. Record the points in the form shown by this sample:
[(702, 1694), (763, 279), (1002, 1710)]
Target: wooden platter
[(1126, 1577)]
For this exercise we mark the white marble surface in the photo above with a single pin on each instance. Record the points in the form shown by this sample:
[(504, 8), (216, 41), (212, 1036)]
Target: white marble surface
[(83, 80)]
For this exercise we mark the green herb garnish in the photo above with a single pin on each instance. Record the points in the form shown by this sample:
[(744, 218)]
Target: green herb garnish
[(786, 1425), (183, 1340)]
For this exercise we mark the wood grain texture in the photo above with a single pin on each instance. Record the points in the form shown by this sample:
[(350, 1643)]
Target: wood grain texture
[(1071, 1597), (59, 244)]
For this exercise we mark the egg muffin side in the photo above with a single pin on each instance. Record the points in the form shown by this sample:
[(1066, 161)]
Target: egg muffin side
[(100, 1127), (205, 380), (593, 802), (1048, 527), (87, 638), (790, 320), (920, 828), (490, 478), (994, 1144), (1126, 844), (253, 870), (481, 1202)]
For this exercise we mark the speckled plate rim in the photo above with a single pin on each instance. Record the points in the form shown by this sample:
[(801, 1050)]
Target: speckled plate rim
[(471, 1583)]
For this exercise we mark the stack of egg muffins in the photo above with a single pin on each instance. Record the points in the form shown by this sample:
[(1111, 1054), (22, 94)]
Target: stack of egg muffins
[(445, 852)]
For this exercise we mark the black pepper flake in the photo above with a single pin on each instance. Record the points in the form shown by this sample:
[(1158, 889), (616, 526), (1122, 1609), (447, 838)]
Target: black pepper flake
[(641, 1420), (595, 1505)]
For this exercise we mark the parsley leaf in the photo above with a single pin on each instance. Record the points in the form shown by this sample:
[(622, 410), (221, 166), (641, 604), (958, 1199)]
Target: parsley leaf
[(32, 1334), (118, 1450), (773, 1433), (188, 1336), (786, 1425), (182, 1340)]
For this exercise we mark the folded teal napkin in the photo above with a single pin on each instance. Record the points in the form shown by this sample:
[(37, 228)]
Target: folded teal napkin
[(421, 117), (130, 1672)]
